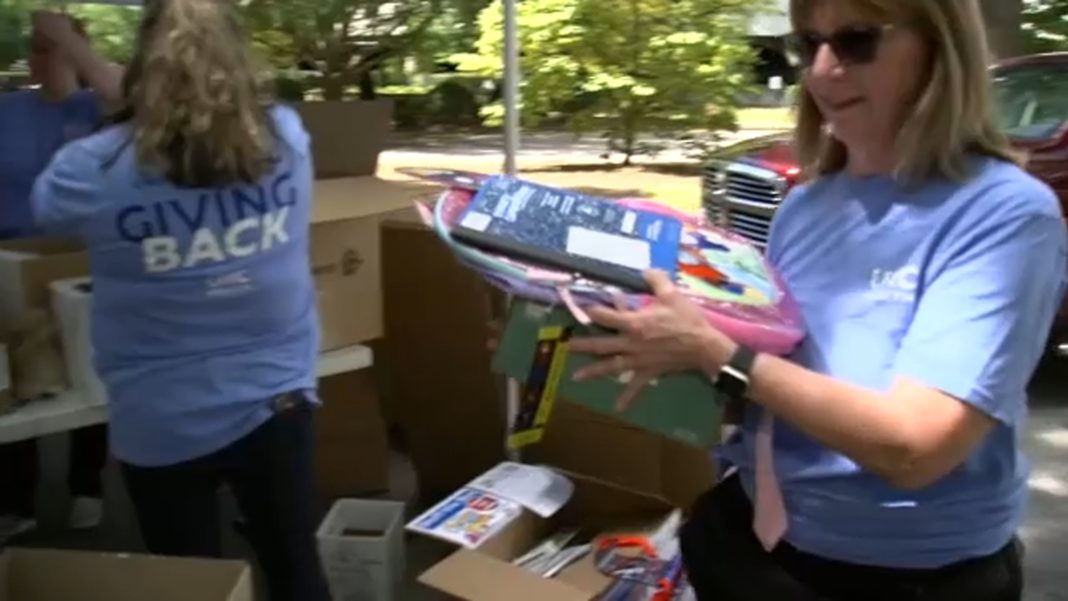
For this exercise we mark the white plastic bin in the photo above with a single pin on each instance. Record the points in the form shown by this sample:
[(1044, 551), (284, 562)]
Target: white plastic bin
[(361, 543), (71, 301)]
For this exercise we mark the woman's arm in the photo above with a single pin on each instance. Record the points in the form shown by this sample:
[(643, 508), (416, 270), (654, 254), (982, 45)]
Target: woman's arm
[(911, 436), (962, 367), (978, 332), (104, 77)]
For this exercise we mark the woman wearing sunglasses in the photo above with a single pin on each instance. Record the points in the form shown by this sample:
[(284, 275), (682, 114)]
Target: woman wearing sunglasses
[(880, 461)]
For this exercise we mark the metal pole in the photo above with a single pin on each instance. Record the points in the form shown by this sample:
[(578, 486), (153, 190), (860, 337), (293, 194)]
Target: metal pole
[(511, 149), (511, 87)]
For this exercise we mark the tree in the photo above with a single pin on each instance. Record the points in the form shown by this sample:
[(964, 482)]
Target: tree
[(343, 41), (628, 68), (112, 29), (14, 31), (1045, 24)]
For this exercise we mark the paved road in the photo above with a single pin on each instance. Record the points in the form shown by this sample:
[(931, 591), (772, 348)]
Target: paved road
[(555, 147)]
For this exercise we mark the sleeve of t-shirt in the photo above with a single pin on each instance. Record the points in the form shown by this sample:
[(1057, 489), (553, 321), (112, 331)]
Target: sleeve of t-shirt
[(65, 195), (986, 309)]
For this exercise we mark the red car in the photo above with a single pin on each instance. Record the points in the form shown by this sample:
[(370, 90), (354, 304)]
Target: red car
[(744, 184)]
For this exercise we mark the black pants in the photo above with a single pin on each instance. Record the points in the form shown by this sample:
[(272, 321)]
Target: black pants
[(20, 467), (727, 563), (270, 474)]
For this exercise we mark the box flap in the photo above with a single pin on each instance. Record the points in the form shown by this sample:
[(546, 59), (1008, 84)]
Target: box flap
[(603, 505), (91, 576), (476, 576), (352, 197)]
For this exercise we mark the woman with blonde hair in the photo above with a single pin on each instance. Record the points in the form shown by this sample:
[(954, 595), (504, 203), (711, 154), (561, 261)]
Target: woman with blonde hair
[(195, 208), (881, 460)]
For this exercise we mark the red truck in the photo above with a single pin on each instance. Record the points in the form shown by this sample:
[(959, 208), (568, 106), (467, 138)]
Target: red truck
[(744, 184)]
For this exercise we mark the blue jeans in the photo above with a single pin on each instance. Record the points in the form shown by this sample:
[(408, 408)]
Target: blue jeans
[(271, 475)]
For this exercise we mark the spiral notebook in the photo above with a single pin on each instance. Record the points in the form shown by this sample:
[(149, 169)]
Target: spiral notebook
[(568, 231)]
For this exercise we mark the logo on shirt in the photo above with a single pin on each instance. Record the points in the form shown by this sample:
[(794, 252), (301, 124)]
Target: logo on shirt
[(230, 284), (895, 285), (209, 227)]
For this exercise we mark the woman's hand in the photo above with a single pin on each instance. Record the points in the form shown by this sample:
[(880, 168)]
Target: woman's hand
[(668, 336), (55, 27)]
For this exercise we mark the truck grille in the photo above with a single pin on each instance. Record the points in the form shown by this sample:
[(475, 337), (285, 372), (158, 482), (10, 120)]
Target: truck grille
[(742, 199)]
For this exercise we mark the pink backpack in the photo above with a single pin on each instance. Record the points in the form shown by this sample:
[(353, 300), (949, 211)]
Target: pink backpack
[(726, 275)]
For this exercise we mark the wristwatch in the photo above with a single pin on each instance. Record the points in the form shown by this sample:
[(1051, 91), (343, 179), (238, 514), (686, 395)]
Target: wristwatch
[(733, 378)]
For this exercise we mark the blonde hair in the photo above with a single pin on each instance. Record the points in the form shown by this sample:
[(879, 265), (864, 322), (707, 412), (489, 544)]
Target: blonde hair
[(195, 100), (952, 117)]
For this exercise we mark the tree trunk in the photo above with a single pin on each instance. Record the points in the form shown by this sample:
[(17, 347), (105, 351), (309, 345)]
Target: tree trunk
[(1004, 20)]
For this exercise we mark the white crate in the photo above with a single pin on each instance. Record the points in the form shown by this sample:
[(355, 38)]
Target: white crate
[(71, 303), (361, 543)]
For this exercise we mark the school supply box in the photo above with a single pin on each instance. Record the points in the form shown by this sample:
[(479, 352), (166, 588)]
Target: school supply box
[(530, 533)]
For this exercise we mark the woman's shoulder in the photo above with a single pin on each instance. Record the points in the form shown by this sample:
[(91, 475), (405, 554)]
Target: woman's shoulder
[(1003, 189), (289, 127)]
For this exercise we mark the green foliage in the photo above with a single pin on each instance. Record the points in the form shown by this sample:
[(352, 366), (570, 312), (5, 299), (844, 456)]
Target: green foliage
[(14, 31), (113, 29), (628, 68), (341, 40), (1046, 25)]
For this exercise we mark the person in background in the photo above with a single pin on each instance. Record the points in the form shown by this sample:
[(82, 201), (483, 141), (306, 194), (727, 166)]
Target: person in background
[(195, 207), (882, 460), (35, 124)]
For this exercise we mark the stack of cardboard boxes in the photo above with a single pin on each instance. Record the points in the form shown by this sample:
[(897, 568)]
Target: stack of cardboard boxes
[(449, 405)]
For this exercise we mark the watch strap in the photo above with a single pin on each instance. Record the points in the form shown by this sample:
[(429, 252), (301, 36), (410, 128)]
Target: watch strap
[(733, 377)]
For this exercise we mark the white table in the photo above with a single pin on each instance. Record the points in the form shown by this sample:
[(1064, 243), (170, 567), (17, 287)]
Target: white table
[(70, 411)]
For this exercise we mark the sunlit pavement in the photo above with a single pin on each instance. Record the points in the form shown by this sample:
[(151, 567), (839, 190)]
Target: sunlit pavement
[(1046, 531)]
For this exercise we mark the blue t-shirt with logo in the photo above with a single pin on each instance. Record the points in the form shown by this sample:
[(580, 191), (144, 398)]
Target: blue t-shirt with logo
[(951, 284), (203, 302), (32, 129)]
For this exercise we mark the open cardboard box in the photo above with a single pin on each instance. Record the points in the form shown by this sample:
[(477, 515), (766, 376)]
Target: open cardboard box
[(346, 255), (47, 575), (487, 573)]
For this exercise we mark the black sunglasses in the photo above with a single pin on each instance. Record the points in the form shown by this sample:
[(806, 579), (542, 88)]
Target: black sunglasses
[(855, 45)]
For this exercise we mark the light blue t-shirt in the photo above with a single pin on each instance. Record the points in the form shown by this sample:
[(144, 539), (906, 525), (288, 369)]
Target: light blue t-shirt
[(203, 301), (954, 285), (32, 129)]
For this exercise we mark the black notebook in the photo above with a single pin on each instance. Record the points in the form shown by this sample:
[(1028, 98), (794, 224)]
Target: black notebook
[(568, 231)]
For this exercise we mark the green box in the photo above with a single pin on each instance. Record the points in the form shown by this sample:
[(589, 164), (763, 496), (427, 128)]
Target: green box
[(684, 407)]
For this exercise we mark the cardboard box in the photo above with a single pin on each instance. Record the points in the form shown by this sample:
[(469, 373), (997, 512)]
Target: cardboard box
[(345, 252), (443, 397), (587, 442), (487, 573), (27, 267), (347, 136), (361, 543), (45, 575), (684, 407), (351, 442)]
